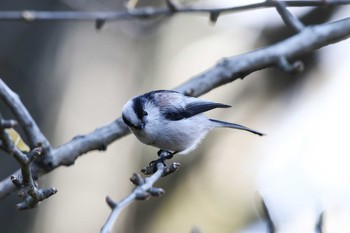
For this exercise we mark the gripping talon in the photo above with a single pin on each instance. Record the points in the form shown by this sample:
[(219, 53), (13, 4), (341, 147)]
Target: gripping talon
[(163, 155)]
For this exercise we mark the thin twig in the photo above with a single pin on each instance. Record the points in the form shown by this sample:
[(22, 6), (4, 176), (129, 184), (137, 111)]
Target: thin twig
[(225, 71), (270, 225), (319, 224), (265, 214), (289, 19), (151, 12), (142, 191)]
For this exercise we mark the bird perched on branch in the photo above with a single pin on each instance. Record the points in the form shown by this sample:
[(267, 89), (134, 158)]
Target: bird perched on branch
[(172, 121)]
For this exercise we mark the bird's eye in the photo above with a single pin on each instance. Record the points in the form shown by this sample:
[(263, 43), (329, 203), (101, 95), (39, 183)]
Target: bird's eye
[(145, 113)]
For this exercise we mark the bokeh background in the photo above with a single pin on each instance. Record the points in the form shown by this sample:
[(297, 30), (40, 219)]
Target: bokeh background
[(74, 78)]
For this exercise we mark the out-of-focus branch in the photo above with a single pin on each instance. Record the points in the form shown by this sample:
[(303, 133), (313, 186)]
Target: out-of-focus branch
[(144, 189), (270, 225), (319, 224), (265, 213), (239, 66), (151, 12), (225, 71)]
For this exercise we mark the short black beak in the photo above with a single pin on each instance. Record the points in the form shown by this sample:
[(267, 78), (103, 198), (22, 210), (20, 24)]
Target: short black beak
[(140, 126)]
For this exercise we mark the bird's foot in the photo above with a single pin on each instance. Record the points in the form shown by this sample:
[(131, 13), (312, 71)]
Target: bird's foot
[(163, 155)]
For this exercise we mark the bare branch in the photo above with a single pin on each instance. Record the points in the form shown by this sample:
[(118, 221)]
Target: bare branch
[(143, 190), (225, 71), (33, 134), (265, 214), (151, 12), (96, 140), (239, 66), (30, 194), (287, 17), (270, 224), (319, 224)]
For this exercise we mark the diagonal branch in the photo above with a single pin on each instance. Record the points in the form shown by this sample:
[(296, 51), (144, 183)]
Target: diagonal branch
[(143, 191), (33, 134), (225, 71), (239, 66), (288, 18)]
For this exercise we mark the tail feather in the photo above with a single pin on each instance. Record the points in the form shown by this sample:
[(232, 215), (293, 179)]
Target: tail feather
[(235, 126)]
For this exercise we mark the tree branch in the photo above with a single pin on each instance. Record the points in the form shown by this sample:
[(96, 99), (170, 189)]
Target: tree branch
[(144, 189), (239, 66), (29, 192), (289, 19), (33, 134), (99, 139), (225, 71), (152, 12)]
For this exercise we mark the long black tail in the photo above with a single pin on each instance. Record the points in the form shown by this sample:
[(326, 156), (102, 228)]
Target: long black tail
[(235, 126)]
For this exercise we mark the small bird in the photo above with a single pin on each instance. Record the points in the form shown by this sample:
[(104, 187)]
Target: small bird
[(172, 121)]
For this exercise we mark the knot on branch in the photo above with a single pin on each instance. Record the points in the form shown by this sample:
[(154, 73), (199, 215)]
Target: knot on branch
[(173, 167), (171, 5), (34, 196), (156, 192), (111, 203), (213, 16), (285, 65), (35, 154), (137, 179), (28, 16), (99, 23), (6, 124)]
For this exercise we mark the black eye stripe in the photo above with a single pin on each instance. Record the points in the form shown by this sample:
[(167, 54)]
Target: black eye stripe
[(138, 105), (126, 121)]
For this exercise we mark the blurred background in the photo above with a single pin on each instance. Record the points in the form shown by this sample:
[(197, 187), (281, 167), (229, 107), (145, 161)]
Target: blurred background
[(74, 78)]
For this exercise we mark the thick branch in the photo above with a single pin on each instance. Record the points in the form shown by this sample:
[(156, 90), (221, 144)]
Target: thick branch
[(99, 139), (225, 71)]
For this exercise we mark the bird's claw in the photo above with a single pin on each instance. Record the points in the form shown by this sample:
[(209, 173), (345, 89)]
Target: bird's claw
[(152, 166), (163, 155)]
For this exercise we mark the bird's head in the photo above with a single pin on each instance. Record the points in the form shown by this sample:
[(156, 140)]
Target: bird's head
[(135, 113)]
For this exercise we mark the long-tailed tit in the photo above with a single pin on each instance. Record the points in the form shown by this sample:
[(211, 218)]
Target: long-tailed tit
[(171, 121)]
